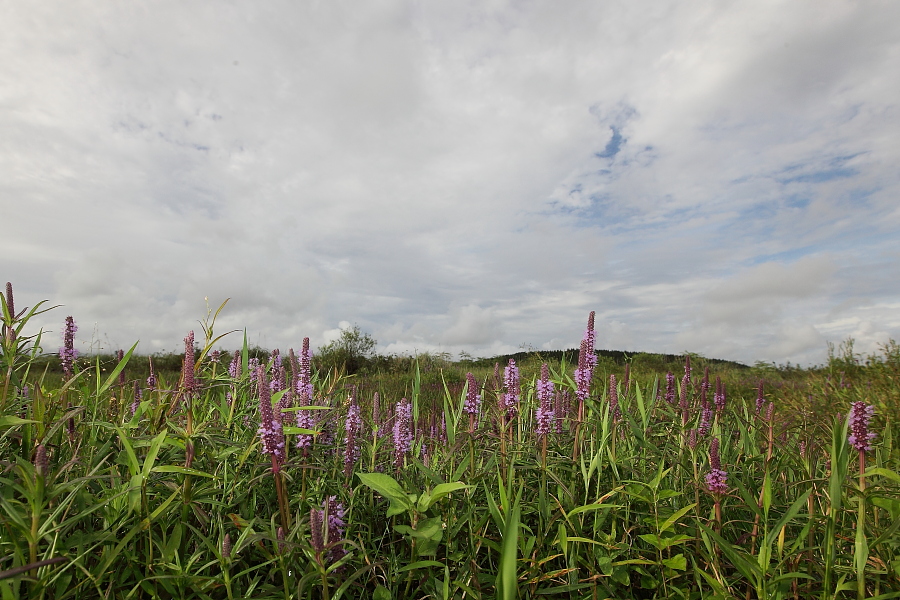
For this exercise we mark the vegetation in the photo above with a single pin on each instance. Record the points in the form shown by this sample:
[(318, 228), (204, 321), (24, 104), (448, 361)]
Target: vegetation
[(272, 475)]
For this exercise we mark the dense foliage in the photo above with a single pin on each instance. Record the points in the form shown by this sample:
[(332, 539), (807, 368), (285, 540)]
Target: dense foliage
[(269, 474)]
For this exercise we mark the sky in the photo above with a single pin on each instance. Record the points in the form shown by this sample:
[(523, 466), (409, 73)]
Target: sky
[(456, 176)]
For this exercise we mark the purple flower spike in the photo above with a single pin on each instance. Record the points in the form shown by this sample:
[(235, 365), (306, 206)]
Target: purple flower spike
[(512, 395), (473, 398), (352, 429), (67, 353), (716, 479), (760, 397), (270, 431), (402, 431), (860, 418), (187, 371), (719, 397), (670, 388), (544, 413), (587, 360), (234, 367)]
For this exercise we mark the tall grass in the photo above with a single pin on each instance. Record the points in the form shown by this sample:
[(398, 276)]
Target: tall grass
[(182, 500)]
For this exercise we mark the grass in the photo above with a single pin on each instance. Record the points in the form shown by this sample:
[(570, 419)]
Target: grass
[(141, 506)]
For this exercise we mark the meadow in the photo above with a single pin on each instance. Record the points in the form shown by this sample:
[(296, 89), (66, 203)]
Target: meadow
[(579, 474)]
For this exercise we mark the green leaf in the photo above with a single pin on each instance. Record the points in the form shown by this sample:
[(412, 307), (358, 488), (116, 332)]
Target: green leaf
[(440, 491), (182, 470), (671, 520), (589, 507), (388, 487), (382, 593), (677, 562), (418, 565), (115, 372), (8, 421)]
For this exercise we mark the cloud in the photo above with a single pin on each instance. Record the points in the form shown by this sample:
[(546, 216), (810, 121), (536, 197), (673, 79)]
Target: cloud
[(457, 175)]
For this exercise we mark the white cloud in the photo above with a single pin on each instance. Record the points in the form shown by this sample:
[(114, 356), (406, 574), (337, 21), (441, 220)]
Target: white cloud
[(445, 174)]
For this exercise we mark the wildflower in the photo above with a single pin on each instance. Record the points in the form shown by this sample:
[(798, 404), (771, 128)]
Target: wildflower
[(226, 547), (270, 431), (10, 304), (136, 402), (685, 403), (234, 367), (352, 428), (716, 479), (692, 439), (304, 390), (561, 409), (705, 418), (473, 398), (189, 383), (860, 418), (544, 413), (587, 360), (760, 397), (151, 380), (215, 356), (402, 431), (670, 388), (120, 356), (511, 383), (327, 528), (719, 397), (68, 353), (41, 460), (316, 533)]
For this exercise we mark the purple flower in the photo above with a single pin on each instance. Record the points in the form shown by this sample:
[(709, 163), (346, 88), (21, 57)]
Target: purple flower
[(352, 429), (304, 389), (187, 372), (120, 356), (705, 419), (67, 353), (561, 409), (719, 397), (692, 439), (304, 383), (215, 356), (473, 398), (270, 432), (716, 479), (41, 460), (512, 395), (860, 418), (137, 398), (402, 431), (327, 528), (151, 380), (685, 402), (234, 367), (587, 360), (670, 388), (544, 413), (760, 397)]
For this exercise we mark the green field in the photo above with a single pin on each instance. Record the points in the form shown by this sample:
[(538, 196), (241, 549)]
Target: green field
[(113, 487)]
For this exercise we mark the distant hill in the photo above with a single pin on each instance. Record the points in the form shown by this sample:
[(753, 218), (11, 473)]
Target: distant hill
[(619, 357)]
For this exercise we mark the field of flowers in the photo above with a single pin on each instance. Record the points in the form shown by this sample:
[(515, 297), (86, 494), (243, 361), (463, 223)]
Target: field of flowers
[(259, 475)]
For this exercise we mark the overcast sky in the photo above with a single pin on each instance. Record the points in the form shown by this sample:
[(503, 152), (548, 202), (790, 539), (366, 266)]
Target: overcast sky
[(714, 177)]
